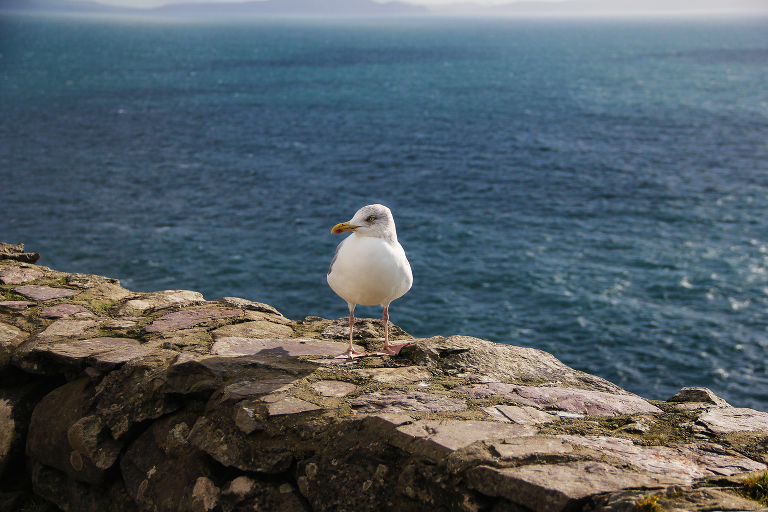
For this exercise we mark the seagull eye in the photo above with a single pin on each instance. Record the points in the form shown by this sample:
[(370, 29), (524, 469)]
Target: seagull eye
[(371, 218)]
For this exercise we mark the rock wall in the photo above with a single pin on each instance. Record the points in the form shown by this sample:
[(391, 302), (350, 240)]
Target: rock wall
[(118, 401)]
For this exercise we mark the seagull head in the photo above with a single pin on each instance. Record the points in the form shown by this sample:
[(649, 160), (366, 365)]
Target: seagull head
[(373, 220)]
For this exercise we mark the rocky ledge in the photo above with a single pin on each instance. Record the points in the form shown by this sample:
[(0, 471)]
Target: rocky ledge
[(164, 401)]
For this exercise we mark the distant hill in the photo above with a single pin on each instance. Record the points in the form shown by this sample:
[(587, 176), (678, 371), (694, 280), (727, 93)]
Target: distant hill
[(341, 8), (257, 8)]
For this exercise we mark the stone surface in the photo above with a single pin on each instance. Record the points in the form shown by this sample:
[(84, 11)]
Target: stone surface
[(333, 388), (722, 421), (405, 401), (522, 415), (498, 362), (157, 301), (16, 252), (44, 293), (64, 311), (276, 347), (365, 328), (16, 305), (76, 353), (593, 403), (164, 419), (437, 438), (249, 305), (392, 375), (19, 275), (257, 329), (555, 487), (184, 319)]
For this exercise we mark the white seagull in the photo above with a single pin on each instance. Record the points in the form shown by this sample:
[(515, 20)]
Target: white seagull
[(370, 268)]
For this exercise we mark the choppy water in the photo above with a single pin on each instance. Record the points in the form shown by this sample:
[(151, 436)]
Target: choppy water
[(595, 189)]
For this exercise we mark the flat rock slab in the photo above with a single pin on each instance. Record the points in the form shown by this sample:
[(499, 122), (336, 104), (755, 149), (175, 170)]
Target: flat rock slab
[(394, 375), (533, 446), (276, 347), (156, 301), (67, 327), (723, 421), (43, 293), (593, 403), (438, 438), (684, 462), (191, 317), (256, 329), (555, 487), (333, 388), (18, 275), (107, 361), (698, 396), (16, 305), (246, 389), (249, 305), (77, 352), (291, 405), (391, 401), (64, 310), (522, 415)]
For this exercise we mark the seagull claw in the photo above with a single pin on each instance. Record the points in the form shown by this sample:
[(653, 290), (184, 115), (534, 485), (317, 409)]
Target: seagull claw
[(391, 349), (350, 354)]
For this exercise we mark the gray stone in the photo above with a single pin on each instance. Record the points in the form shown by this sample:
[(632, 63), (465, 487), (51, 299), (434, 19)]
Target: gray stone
[(68, 328), (18, 275), (495, 361), (76, 353), (10, 338), (239, 303), (333, 388), (157, 301), (684, 462), (403, 374), (44, 293), (437, 438), (593, 403), (191, 317), (555, 487), (405, 401), (522, 415), (291, 405), (723, 421), (16, 252), (205, 495), (257, 329), (513, 448), (120, 323), (64, 311), (247, 417), (16, 305), (276, 347), (697, 398), (249, 388)]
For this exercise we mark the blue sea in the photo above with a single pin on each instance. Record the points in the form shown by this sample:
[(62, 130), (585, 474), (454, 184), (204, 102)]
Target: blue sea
[(597, 189)]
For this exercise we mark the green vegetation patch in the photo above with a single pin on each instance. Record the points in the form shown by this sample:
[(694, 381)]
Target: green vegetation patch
[(649, 504), (755, 488)]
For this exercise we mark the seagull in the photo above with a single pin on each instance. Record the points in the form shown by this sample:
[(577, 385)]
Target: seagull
[(370, 268)]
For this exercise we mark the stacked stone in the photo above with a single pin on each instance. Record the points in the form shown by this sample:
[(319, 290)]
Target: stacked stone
[(163, 401)]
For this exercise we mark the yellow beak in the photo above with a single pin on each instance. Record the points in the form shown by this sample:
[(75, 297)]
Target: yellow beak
[(344, 226)]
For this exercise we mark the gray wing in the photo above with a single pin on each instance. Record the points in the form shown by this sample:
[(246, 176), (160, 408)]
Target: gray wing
[(330, 269)]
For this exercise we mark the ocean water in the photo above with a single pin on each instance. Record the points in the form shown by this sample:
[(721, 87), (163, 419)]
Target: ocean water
[(594, 188)]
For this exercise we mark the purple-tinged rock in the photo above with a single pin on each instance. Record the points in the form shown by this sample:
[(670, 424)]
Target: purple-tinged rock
[(333, 388), (726, 420), (556, 487), (156, 301), (64, 310), (18, 275), (16, 305), (76, 353), (403, 374), (437, 438), (43, 293), (522, 415), (405, 401), (191, 317), (290, 405), (580, 401), (66, 327), (275, 346)]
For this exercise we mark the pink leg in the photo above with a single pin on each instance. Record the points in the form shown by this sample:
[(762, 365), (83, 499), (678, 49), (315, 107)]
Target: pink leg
[(351, 353), (387, 349)]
